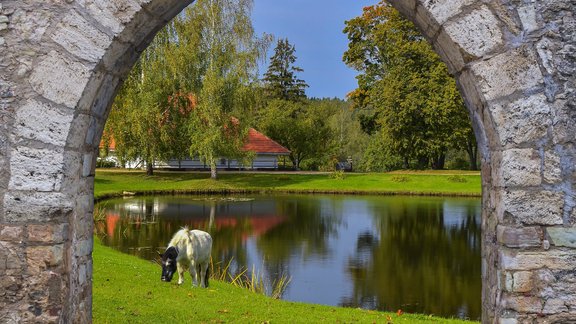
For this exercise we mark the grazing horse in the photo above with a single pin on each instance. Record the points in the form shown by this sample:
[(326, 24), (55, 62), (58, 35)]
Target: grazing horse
[(187, 250)]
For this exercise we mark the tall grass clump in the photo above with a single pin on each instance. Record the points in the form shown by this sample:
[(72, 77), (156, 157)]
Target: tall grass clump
[(252, 281)]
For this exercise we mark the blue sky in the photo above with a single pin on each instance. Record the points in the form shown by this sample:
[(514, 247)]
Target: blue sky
[(315, 28)]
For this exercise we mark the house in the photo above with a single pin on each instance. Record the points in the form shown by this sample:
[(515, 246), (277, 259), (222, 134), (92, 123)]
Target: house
[(267, 153)]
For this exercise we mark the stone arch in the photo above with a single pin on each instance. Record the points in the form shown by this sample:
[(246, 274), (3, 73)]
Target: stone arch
[(62, 62)]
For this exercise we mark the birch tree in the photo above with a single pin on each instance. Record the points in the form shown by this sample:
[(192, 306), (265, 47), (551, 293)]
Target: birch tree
[(219, 54)]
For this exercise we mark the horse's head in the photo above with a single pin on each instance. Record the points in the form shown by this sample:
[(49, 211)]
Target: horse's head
[(169, 263)]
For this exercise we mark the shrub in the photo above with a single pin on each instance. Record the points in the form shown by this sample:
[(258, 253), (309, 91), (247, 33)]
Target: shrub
[(400, 179), (457, 178)]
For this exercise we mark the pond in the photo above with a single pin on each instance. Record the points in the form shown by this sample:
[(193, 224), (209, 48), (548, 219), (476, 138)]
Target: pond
[(415, 254)]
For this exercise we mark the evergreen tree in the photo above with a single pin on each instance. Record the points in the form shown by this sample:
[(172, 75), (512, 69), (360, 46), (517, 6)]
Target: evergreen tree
[(280, 80)]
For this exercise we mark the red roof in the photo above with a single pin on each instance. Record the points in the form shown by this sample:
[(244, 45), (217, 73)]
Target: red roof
[(260, 143), (257, 142)]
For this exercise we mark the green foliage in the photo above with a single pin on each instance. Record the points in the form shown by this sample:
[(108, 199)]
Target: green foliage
[(456, 178), (405, 89), (400, 179), (182, 96), (299, 126), (222, 44), (379, 157), (338, 175), (280, 80)]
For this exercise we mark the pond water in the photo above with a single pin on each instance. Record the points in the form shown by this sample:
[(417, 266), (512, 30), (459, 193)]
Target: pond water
[(417, 254)]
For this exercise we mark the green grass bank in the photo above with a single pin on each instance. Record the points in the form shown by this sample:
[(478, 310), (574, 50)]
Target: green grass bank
[(109, 183), (127, 289)]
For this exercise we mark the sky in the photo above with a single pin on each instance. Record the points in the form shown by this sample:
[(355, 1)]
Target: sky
[(314, 27)]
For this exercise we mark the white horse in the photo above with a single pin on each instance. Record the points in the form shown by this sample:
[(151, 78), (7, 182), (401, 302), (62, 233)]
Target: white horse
[(188, 250)]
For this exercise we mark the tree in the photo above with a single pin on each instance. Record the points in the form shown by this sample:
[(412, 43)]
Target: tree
[(299, 127), (406, 88), (280, 81), (136, 118), (218, 45)]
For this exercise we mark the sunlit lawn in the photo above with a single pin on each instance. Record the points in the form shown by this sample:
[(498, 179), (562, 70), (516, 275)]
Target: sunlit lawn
[(110, 182)]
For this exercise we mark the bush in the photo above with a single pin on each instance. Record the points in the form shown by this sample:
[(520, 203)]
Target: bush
[(457, 178), (104, 163), (338, 175)]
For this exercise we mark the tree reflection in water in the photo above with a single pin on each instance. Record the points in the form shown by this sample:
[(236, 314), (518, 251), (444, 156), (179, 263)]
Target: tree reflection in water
[(387, 253)]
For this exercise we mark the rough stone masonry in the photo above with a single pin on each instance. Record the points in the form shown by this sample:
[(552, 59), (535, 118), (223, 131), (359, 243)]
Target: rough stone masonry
[(61, 62)]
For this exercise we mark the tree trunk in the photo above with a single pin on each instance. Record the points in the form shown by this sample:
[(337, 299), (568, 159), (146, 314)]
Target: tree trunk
[(472, 149), (438, 162), (213, 169), (149, 168)]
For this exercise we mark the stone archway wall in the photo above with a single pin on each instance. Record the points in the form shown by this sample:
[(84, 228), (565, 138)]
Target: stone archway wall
[(61, 63)]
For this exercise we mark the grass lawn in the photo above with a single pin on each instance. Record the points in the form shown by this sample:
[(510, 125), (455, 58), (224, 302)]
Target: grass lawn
[(127, 289), (114, 182)]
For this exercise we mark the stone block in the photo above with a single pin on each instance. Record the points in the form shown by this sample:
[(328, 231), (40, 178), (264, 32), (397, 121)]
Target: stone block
[(34, 206), (504, 74), (562, 236), (564, 124), (534, 207), (427, 24), (522, 121), (514, 260), (449, 52), (83, 247), (77, 134), (522, 237), (111, 14), (554, 306), (40, 258), (521, 281), (11, 233), (120, 57), (47, 233), (478, 33), (522, 304), (81, 38), (43, 122), (105, 96), (527, 14), (520, 167), (60, 79), (141, 30), (552, 172), (406, 7), (30, 25), (443, 10), (36, 169), (166, 10)]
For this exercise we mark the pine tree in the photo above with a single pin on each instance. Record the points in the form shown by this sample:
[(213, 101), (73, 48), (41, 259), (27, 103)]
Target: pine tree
[(280, 80)]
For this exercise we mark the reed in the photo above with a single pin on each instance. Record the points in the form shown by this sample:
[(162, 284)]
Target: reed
[(253, 281)]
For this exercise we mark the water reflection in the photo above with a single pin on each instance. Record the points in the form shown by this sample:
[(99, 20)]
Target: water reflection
[(387, 253)]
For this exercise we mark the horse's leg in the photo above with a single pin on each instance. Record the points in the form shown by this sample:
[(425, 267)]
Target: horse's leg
[(204, 274), (181, 271), (193, 274)]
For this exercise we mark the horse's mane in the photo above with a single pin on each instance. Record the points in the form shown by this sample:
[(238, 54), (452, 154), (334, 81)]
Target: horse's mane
[(181, 237)]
